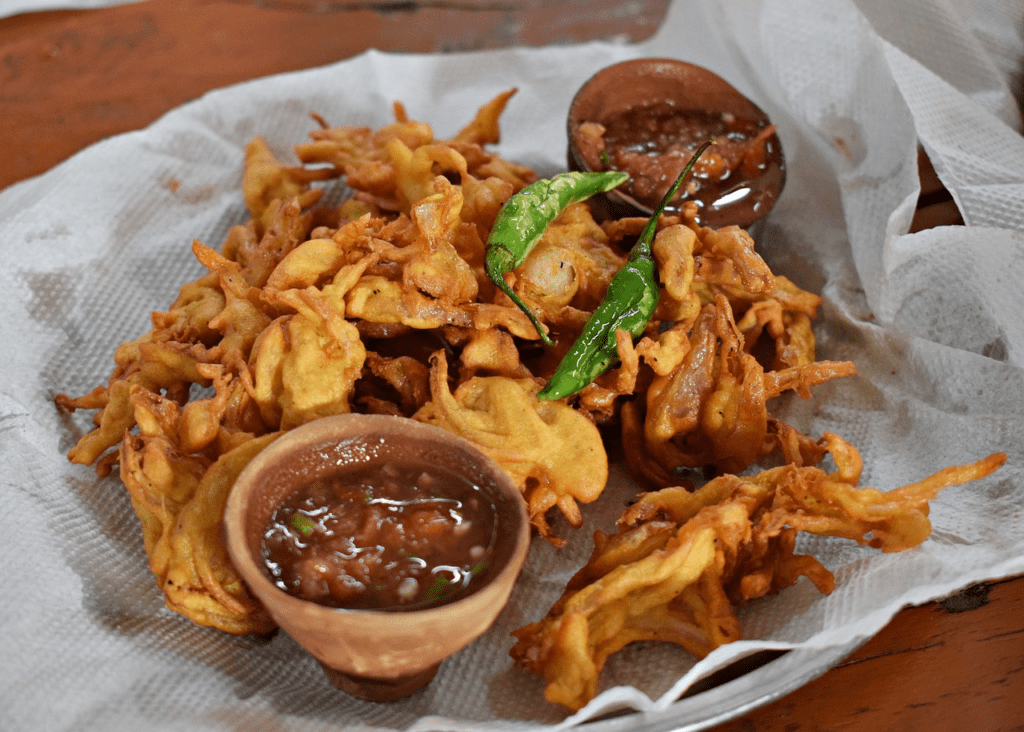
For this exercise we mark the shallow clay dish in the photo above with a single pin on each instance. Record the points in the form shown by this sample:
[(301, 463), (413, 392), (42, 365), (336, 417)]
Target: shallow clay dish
[(685, 90), (373, 654)]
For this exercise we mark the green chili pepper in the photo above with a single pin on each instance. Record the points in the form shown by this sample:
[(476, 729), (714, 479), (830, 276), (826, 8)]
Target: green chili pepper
[(628, 304), (524, 217)]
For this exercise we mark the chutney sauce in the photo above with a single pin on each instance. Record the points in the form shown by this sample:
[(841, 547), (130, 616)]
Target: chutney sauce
[(654, 143), (382, 537)]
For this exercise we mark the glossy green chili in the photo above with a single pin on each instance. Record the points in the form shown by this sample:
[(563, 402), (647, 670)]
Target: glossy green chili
[(523, 219), (628, 304)]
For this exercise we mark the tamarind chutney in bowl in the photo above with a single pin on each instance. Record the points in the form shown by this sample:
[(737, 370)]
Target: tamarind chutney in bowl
[(648, 116), (380, 544)]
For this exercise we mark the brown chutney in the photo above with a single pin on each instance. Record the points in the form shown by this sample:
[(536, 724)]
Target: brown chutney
[(382, 537), (655, 141)]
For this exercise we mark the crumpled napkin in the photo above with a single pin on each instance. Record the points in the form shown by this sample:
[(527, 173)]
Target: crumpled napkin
[(931, 319)]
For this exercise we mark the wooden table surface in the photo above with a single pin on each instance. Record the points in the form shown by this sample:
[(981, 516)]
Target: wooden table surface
[(73, 78)]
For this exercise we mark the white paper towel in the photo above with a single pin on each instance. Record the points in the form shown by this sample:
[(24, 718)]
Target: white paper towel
[(931, 320)]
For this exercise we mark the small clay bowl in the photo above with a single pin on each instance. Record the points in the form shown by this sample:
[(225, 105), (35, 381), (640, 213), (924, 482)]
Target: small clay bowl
[(685, 91), (373, 654)]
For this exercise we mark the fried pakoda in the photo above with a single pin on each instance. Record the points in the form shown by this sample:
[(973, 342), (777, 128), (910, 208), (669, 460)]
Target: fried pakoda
[(554, 453), (681, 561), (711, 408), (728, 336), (179, 498)]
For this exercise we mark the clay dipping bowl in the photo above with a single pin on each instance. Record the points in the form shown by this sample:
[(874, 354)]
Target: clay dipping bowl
[(689, 91), (373, 654)]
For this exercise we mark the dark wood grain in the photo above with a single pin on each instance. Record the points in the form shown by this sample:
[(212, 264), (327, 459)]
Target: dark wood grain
[(955, 665), (73, 78)]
